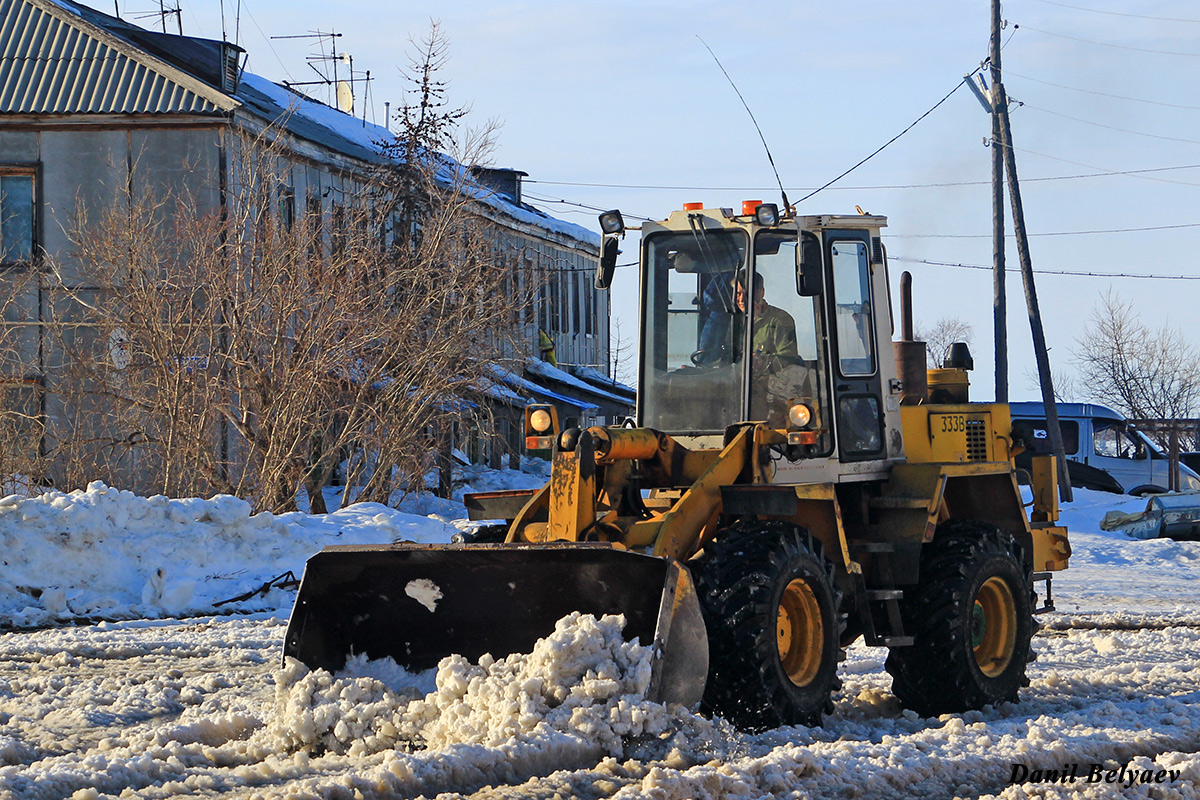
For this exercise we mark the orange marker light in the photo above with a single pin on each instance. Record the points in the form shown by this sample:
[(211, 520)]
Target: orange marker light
[(748, 207), (693, 206)]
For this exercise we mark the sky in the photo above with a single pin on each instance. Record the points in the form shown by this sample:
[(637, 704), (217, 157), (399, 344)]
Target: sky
[(620, 105)]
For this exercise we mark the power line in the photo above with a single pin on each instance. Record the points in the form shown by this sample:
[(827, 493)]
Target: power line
[(1135, 173), (1110, 44), (1109, 127), (1010, 73), (580, 205), (1049, 233), (860, 188), (957, 86), (1116, 13), (1073, 273)]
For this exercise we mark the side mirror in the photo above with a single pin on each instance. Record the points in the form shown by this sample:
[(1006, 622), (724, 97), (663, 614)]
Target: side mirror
[(809, 270), (608, 262)]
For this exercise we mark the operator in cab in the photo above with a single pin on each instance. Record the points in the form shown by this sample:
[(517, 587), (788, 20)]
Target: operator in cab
[(773, 340)]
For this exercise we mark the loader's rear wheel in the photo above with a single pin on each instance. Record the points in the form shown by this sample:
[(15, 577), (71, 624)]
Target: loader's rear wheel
[(770, 608), (971, 621)]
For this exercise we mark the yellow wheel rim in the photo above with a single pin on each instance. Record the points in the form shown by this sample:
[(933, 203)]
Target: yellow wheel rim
[(798, 633), (993, 627)]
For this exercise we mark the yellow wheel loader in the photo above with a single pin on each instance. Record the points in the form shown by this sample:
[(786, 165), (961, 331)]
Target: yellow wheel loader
[(796, 480)]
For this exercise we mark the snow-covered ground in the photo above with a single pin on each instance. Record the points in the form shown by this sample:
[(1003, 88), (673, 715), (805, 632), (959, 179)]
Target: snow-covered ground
[(147, 705)]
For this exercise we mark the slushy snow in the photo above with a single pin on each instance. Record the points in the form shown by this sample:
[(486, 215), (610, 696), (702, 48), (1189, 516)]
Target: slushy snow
[(143, 705)]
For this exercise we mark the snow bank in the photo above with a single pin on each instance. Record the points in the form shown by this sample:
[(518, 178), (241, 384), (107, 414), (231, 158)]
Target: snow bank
[(103, 553)]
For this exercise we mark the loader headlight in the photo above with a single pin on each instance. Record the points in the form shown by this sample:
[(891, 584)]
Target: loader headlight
[(767, 214), (799, 415), (540, 420), (611, 222)]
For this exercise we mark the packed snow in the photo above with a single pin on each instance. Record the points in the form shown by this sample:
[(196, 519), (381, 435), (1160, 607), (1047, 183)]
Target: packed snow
[(168, 695)]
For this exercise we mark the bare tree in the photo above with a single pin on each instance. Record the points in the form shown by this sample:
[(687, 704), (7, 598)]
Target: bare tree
[(1067, 387), (22, 424), (938, 338), (623, 355), (230, 349), (1143, 372)]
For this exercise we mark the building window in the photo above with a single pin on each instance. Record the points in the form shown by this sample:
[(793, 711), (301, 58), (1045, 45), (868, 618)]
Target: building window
[(287, 206), (589, 311), (576, 323), (337, 230), (17, 229), (316, 230)]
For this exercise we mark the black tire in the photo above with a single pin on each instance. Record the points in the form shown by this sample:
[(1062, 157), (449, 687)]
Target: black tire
[(770, 608), (971, 620)]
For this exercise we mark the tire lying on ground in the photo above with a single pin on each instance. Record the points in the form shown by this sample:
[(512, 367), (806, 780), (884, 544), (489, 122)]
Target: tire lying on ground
[(769, 604), (970, 617)]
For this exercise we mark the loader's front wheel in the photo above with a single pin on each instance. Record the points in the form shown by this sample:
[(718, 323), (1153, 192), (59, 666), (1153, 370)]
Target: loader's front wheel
[(971, 621), (769, 606)]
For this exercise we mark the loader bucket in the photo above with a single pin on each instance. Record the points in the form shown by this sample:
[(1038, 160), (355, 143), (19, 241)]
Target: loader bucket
[(418, 603)]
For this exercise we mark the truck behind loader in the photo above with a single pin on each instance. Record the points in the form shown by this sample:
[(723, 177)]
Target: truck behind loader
[(796, 481)]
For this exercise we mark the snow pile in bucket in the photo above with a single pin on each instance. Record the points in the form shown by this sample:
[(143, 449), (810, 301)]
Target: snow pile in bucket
[(583, 680), (577, 697)]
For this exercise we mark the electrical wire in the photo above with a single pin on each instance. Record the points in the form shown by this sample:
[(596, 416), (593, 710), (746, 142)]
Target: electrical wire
[(1116, 13), (860, 188), (1048, 233), (1137, 173), (580, 205), (1110, 44), (270, 46), (1010, 73), (957, 86), (1072, 273), (1109, 127)]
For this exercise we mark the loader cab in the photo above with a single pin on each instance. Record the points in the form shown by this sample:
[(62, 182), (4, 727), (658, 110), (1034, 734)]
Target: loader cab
[(739, 324)]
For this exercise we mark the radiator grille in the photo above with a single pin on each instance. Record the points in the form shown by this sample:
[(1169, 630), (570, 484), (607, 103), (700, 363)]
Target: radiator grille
[(977, 440)]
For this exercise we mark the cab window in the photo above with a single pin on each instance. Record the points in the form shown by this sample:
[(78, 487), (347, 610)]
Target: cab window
[(853, 317), (1111, 440), (1034, 434)]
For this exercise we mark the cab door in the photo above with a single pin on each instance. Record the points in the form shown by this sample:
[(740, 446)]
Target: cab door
[(851, 310)]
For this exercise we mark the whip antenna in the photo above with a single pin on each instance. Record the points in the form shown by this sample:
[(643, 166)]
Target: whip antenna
[(786, 205)]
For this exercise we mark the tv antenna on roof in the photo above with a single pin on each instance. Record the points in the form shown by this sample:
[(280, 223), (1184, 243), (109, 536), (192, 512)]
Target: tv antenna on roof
[(336, 70), (164, 10)]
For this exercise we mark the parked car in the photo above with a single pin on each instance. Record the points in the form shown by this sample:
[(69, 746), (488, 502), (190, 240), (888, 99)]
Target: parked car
[(1104, 451)]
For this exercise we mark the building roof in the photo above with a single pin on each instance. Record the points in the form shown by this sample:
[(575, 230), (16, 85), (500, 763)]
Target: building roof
[(62, 57), (57, 57), (546, 371)]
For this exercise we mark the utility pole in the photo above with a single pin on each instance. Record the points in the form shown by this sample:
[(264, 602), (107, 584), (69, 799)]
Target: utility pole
[(1000, 103), (999, 299)]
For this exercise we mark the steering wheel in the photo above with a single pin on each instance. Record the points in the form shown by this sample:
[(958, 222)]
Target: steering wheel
[(709, 357)]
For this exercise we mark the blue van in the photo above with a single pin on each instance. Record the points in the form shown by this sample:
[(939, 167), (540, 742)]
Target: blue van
[(1114, 454)]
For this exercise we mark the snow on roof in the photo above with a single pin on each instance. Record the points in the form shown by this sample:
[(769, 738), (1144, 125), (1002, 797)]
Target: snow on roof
[(513, 379), (325, 125), (315, 121), (593, 375), (548, 371)]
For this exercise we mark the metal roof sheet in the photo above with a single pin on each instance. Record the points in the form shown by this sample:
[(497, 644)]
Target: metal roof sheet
[(49, 66)]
